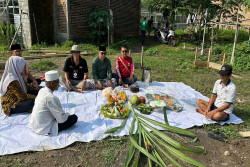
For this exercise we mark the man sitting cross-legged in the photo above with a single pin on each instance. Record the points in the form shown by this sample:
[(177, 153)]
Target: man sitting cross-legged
[(221, 102), (48, 116), (76, 72), (124, 67)]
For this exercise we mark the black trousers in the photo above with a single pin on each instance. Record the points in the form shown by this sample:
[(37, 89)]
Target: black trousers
[(25, 106), (72, 119), (34, 92)]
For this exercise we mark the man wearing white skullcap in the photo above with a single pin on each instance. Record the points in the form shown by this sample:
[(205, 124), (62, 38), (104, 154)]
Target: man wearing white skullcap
[(48, 116)]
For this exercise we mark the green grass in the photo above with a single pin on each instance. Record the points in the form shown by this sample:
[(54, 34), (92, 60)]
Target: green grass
[(43, 65)]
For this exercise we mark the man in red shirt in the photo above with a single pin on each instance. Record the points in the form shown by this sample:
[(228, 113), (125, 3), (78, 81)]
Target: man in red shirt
[(124, 67)]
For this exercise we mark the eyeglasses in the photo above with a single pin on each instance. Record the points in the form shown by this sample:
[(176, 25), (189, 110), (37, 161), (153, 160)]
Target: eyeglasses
[(103, 53), (124, 51)]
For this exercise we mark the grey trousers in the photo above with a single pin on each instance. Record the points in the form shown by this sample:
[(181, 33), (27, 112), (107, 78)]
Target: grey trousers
[(90, 83)]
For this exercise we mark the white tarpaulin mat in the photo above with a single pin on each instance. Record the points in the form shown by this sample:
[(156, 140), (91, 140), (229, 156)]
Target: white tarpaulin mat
[(16, 136)]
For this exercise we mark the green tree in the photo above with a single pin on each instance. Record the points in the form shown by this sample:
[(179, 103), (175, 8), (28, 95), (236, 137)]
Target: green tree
[(3, 30), (98, 23)]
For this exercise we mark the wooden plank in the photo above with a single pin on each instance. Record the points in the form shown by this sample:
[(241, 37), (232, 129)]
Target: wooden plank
[(245, 134), (60, 51), (201, 63), (215, 66)]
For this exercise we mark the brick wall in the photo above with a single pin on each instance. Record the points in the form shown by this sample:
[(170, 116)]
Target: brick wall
[(41, 19), (126, 16), (61, 6)]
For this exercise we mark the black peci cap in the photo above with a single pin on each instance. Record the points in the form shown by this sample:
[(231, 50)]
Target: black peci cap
[(15, 47), (102, 48)]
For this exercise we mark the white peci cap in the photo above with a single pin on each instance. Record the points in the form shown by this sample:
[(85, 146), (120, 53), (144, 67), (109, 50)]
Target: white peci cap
[(51, 75)]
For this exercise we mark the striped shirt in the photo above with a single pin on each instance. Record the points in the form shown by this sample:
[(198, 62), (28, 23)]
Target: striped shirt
[(225, 94)]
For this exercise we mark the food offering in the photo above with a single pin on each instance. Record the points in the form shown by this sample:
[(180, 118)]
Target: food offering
[(157, 100), (115, 110), (142, 99), (135, 100), (119, 97), (134, 88), (144, 109)]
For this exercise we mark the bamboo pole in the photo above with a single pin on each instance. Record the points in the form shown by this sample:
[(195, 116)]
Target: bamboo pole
[(15, 35), (8, 22), (212, 38), (208, 58), (142, 53), (236, 36), (224, 57), (195, 58)]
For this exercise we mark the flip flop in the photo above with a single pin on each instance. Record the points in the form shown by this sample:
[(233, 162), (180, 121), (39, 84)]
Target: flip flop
[(217, 136)]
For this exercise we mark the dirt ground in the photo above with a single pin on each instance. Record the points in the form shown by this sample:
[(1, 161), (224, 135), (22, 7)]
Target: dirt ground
[(113, 151)]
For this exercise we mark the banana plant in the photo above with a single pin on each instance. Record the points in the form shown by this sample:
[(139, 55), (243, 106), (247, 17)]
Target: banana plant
[(150, 143)]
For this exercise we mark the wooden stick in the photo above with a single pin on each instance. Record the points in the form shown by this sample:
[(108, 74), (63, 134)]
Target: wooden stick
[(129, 53), (142, 53), (195, 58), (224, 57), (208, 58)]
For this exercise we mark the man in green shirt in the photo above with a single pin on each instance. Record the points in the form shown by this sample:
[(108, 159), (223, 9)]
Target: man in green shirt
[(143, 28), (101, 69)]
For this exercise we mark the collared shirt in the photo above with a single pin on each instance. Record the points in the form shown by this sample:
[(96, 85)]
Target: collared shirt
[(76, 72), (101, 70), (225, 94), (121, 71), (47, 113)]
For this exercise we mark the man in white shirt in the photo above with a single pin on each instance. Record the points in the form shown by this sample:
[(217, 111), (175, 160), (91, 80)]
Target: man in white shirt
[(48, 116), (221, 102)]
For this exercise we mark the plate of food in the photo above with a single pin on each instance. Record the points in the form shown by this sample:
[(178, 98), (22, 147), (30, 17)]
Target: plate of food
[(115, 110), (159, 100)]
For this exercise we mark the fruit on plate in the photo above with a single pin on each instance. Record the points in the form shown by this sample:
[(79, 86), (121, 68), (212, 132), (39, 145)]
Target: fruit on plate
[(115, 110), (142, 99), (135, 100), (119, 97)]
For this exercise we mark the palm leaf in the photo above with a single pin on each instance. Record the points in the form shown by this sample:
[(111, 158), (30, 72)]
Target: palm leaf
[(118, 128), (172, 141), (165, 115), (173, 161), (142, 150), (177, 153), (168, 127)]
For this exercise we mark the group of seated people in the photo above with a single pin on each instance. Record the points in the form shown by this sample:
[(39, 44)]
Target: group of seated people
[(20, 91)]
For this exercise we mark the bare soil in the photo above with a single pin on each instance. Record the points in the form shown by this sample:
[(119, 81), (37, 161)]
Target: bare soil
[(113, 151)]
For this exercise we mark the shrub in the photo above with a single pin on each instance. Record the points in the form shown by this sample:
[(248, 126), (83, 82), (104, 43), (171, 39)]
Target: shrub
[(152, 52), (43, 65)]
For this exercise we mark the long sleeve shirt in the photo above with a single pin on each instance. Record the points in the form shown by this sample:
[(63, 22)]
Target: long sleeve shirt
[(101, 70), (14, 95), (47, 113), (121, 71)]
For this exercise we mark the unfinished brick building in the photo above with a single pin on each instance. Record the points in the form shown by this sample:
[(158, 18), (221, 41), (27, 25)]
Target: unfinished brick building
[(61, 20)]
